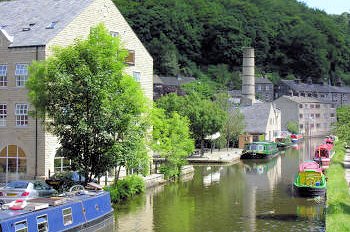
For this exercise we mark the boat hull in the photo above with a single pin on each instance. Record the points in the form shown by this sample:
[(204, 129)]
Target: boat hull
[(304, 191), (103, 223), (253, 155)]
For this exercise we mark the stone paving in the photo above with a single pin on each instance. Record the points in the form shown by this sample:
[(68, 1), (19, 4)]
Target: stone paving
[(217, 156)]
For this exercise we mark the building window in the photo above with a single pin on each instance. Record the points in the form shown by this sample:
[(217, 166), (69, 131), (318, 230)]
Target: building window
[(114, 33), (312, 106), (3, 75), (301, 126), (130, 59), (317, 125), (332, 115), (21, 114), (305, 105), (300, 115), (137, 76), (259, 87), (13, 159), (317, 106), (21, 226), (267, 87), (21, 74), (67, 216), (300, 106), (42, 223), (317, 115), (302, 94), (332, 105), (3, 114)]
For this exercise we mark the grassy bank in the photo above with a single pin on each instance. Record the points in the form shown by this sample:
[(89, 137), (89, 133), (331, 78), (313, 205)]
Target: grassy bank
[(338, 198)]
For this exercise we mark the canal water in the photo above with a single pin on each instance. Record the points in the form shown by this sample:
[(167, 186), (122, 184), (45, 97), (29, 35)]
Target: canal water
[(246, 196)]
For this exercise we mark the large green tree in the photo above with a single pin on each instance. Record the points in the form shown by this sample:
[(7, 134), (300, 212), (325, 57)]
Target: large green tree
[(171, 139), (88, 102)]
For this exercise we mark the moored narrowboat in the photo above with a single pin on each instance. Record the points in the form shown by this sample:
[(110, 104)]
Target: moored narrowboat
[(79, 210), (310, 180), (296, 138), (283, 143), (323, 155), (260, 150)]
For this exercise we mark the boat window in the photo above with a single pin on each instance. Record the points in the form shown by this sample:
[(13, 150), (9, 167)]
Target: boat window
[(260, 148), (21, 226), (42, 223), (67, 216)]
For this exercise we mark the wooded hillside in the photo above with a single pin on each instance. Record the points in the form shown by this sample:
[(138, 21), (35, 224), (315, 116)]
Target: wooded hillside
[(206, 36)]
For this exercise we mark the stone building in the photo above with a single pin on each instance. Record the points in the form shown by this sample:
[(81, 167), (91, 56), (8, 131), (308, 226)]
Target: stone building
[(28, 31), (323, 92), (164, 85), (313, 116), (264, 89), (262, 120)]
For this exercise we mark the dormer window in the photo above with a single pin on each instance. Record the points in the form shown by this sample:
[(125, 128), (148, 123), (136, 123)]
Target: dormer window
[(52, 25), (113, 33)]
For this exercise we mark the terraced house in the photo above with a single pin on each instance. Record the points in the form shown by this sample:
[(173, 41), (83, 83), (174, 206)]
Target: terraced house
[(28, 31)]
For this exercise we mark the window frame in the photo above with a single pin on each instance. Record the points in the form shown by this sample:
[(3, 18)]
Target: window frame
[(69, 222), (3, 114), (21, 74), (137, 76), (22, 117), (3, 75), (130, 58), (25, 228), (39, 223)]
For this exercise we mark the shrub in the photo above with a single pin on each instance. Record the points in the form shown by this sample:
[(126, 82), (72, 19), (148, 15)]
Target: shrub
[(126, 188)]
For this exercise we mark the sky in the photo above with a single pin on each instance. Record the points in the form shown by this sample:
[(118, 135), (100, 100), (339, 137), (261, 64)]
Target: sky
[(329, 6)]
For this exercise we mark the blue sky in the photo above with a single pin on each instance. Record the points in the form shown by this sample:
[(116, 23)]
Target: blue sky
[(330, 6)]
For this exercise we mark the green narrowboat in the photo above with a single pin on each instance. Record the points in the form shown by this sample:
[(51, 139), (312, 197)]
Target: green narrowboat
[(260, 150)]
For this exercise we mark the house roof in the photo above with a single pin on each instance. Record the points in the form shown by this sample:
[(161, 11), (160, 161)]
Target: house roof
[(256, 117), (262, 81), (302, 99), (323, 88), (175, 81), (27, 21)]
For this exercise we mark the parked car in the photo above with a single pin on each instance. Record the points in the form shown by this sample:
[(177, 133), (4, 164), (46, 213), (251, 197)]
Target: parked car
[(25, 190)]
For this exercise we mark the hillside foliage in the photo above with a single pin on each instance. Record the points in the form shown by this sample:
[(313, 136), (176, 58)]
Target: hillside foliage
[(195, 37)]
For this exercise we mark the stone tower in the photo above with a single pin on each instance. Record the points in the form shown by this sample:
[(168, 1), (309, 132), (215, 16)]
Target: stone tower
[(248, 77)]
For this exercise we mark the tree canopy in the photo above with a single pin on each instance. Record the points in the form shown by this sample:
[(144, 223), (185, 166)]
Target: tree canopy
[(94, 108), (289, 38)]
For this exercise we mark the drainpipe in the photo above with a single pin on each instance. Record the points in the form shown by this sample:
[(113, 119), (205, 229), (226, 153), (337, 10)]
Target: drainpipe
[(36, 124)]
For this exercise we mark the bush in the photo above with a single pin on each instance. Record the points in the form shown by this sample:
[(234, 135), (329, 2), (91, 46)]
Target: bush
[(126, 188)]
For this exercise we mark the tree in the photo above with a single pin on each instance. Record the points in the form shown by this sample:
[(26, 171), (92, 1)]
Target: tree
[(342, 126), (206, 117), (95, 109), (171, 139), (293, 127)]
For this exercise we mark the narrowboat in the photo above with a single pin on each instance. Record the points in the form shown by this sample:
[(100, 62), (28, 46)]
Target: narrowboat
[(310, 180), (283, 143), (260, 150), (323, 155), (76, 211), (296, 138)]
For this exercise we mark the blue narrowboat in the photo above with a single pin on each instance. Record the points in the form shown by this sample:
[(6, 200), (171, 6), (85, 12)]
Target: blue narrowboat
[(80, 210)]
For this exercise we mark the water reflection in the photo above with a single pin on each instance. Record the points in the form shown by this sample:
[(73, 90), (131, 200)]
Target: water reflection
[(248, 196)]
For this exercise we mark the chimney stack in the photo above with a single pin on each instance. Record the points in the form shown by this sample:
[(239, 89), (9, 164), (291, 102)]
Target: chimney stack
[(248, 77)]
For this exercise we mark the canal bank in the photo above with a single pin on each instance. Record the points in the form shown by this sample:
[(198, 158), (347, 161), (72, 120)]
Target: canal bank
[(338, 197)]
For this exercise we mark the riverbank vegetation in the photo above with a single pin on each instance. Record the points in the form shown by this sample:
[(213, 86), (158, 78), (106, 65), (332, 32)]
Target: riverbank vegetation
[(204, 38), (126, 188), (338, 198)]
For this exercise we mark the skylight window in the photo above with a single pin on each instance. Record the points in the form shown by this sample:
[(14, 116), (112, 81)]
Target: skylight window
[(52, 25)]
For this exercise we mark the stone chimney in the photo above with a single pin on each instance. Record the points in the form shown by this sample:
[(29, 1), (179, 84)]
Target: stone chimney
[(248, 77)]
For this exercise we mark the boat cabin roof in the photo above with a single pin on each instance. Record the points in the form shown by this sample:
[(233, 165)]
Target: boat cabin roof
[(45, 203), (309, 166)]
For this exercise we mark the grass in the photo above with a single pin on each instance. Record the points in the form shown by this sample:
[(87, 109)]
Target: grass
[(338, 195)]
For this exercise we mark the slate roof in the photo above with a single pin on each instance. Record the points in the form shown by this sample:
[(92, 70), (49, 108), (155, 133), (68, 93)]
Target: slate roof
[(256, 117), (302, 99), (303, 87), (262, 81), (175, 81), (19, 14)]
